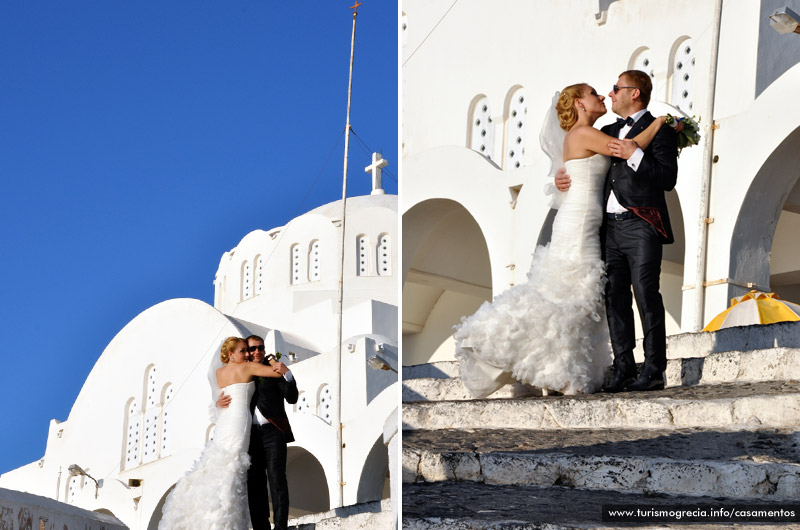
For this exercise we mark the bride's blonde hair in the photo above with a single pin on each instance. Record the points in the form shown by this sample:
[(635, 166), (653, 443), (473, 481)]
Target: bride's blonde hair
[(227, 347), (567, 114)]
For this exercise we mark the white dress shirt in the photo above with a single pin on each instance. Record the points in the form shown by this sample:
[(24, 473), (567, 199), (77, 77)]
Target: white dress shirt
[(258, 418), (613, 205)]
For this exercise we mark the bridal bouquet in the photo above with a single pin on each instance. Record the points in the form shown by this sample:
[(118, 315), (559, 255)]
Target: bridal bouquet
[(688, 130)]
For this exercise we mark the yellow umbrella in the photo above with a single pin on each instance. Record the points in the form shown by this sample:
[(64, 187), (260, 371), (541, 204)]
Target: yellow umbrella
[(755, 308)]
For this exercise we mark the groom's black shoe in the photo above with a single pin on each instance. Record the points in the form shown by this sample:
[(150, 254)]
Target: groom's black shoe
[(646, 382), (618, 382)]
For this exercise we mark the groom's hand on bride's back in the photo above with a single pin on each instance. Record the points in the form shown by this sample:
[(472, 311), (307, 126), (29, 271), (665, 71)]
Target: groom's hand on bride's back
[(562, 180), (224, 400)]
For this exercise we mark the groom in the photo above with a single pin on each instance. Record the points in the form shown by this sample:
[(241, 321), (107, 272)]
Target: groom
[(635, 226), (269, 436)]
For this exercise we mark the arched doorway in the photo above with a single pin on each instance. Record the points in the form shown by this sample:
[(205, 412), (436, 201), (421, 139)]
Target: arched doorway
[(373, 484), (155, 518), (447, 274), (763, 245), (308, 486)]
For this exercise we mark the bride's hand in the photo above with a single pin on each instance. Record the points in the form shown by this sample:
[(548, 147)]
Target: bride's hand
[(678, 124), (623, 148)]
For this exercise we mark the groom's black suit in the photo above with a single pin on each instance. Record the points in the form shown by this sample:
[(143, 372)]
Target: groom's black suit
[(632, 247), (268, 452)]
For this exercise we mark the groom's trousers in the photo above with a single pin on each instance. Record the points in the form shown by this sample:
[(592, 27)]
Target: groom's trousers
[(267, 471), (632, 252)]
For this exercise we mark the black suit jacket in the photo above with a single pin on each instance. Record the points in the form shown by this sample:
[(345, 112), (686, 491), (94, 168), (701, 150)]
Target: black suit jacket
[(642, 191), (268, 397)]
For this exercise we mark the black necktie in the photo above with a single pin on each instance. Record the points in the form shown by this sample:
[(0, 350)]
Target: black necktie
[(623, 122)]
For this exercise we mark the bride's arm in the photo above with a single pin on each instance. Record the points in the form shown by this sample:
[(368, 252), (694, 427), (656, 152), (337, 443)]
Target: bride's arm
[(261, 370), (590, 140), (644, 138)]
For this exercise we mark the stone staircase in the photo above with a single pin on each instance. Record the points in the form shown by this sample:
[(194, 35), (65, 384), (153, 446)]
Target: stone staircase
[(724, 433), (376, 515)]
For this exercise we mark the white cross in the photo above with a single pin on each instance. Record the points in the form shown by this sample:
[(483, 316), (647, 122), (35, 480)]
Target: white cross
[(378, 162)]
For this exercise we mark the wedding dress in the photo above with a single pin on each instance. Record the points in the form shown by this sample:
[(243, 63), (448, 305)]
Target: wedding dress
[(549, 332), (213, 494)]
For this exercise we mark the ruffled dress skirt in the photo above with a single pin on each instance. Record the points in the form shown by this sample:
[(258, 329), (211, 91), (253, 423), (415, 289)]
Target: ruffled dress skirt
[(213, 494), (549, 332)]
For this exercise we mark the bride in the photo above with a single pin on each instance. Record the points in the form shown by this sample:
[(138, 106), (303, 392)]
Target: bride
[(213, 494), (550, 332)]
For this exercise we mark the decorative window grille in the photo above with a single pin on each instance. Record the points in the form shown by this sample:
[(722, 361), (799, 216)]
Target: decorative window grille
[(302, 403), (151, 417), (644, 61), (259, 274), (324, 403), (296, 264), (210, 432), (481, 129), (683, 77), (384, 255), (74, 486), (362, 255), (166, 421), (247, 281), (132, 436), (314, 263), (516, 124)]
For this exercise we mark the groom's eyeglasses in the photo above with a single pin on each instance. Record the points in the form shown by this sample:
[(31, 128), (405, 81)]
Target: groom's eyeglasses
[(618, 88), (251, 349)]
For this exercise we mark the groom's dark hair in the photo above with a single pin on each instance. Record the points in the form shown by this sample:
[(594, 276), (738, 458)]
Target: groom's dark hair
[(641, 81), (253, 337)]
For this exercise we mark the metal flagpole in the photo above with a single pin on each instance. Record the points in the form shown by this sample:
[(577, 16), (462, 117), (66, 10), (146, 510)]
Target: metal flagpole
[(338, 393)]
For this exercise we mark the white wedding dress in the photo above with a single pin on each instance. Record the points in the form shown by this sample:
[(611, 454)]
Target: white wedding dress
[(213, 494), (549, 332)]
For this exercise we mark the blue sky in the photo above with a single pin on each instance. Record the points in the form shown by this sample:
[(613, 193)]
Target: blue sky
[(139, 141)]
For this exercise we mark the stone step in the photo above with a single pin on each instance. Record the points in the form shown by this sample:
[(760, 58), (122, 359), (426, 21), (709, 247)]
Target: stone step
[(364, 516), (724, 406), (740, 464), (470, 505), (741, 338), (774, 364)]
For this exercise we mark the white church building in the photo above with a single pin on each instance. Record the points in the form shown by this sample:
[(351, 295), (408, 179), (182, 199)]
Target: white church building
[(478, 78), (143, 417)]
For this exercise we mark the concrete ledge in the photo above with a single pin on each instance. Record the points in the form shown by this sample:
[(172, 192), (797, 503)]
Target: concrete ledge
[(25, 510), (469, 505), (437, 370), (774, 364), (366, 516), (764, 404), (742, 480), (742, 338)]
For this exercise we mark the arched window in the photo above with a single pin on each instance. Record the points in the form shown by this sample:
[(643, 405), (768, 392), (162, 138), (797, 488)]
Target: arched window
[(259, 274), (643, 60), (247, 281), (302, 403), (324, 403), (384, 255), (516, 124), (74, 486), (683, 76), (314, 264), (296, 264), (481, 128), (152, 412), (166, 423), (362, 255), (132, 428)]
